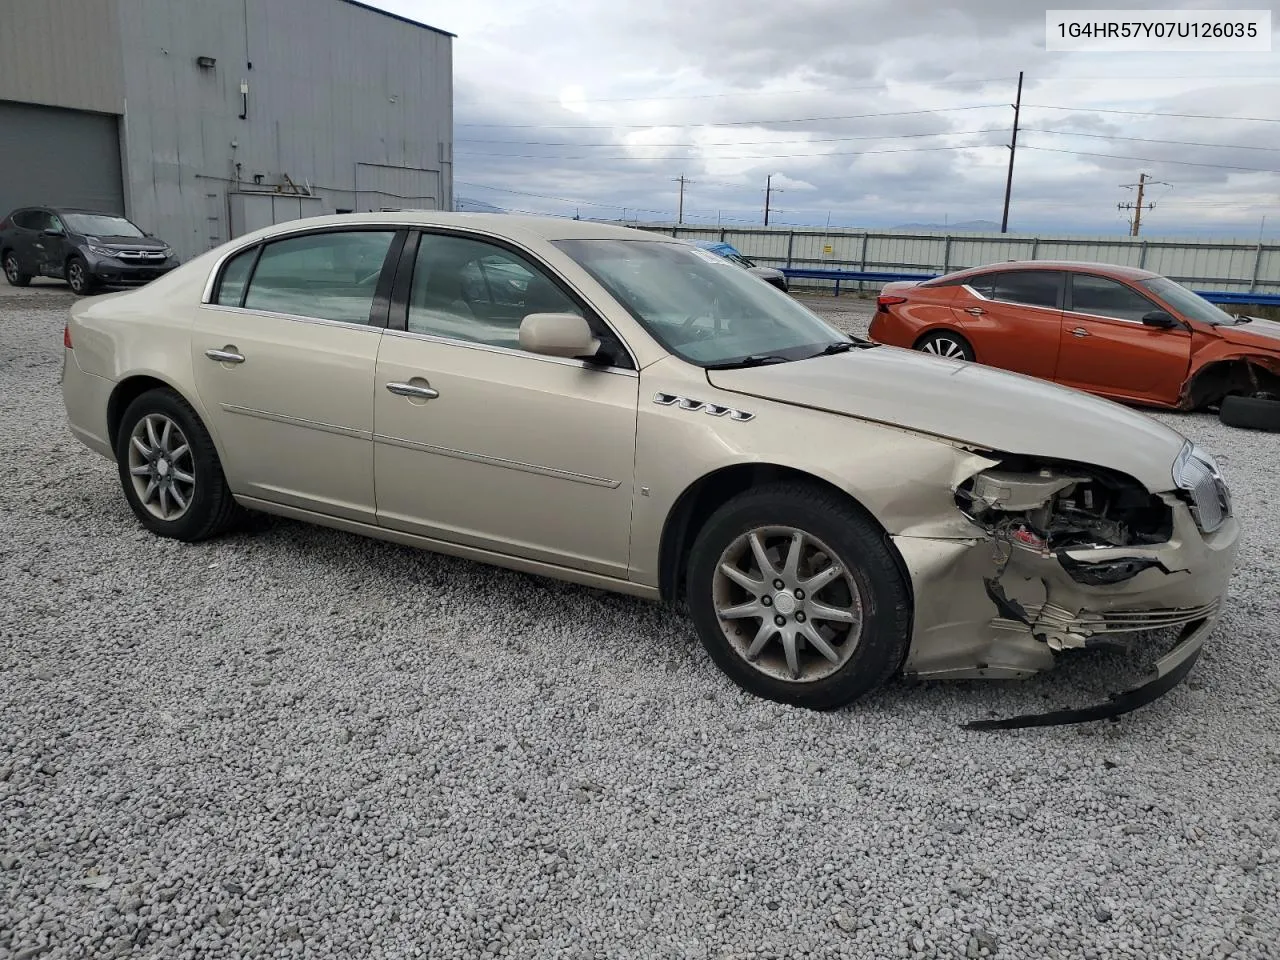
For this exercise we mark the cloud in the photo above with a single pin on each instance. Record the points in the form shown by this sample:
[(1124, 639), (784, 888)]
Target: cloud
[(874, 112)]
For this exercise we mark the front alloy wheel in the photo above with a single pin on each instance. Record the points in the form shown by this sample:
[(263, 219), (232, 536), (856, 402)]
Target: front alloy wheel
[(78, 278), (786, 605), (796, 595)]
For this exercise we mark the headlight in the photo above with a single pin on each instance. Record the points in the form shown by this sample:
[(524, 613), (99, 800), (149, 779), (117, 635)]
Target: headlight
[(102, 251), (1196, 472), (167, 251)]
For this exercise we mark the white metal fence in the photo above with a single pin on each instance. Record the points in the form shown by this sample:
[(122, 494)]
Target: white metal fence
[(1236, 266)]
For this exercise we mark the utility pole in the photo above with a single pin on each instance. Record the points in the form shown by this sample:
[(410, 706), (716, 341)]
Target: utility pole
[(680, 210), (1137, 206), (1013, 148), (769, 191)]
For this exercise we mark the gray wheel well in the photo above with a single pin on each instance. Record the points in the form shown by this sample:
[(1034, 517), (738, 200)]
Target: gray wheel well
[(1220, 379), (125, 393), (703, 497)]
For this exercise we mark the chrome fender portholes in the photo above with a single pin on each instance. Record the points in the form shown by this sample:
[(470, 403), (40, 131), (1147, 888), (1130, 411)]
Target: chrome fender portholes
[(693, 406)]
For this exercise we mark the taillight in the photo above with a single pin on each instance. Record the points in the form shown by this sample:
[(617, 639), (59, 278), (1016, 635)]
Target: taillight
[(66, 336), (884, 301)]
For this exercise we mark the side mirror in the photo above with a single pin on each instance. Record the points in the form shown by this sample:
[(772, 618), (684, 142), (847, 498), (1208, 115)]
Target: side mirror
[(1158, 318), (53, 232), (558, 335)]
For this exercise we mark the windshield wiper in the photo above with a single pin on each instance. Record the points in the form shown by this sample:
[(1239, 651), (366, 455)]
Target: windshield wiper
[(839, 346), (755, 360)]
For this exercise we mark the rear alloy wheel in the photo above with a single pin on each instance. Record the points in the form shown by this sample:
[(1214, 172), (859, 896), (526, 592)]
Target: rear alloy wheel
[(944, 343), (796, 597), (170, 471), (13, 272), (1251, 413), (78, 277)]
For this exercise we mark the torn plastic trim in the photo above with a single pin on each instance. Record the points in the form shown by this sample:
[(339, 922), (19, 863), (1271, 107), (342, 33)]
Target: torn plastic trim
[(1168, 673), (1099, 573)]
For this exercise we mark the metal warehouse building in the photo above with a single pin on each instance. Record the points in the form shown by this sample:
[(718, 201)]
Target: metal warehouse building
[(204, 119)]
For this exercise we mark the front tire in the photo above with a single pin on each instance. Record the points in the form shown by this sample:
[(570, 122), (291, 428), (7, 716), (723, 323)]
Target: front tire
[(170, 471), (79, 279), (13, 271), (944, 343), (796, 596)]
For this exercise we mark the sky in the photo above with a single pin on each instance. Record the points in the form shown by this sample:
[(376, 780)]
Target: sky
[(869, 113)]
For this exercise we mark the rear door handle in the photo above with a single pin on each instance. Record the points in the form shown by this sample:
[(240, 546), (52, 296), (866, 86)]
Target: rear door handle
[(975, 311), (413, 390), (227, 354), (1080, 332)]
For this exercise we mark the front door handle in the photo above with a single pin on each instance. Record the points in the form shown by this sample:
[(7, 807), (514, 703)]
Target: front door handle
[(1080, 332), (975, 311), (227, 354), (413, 390)]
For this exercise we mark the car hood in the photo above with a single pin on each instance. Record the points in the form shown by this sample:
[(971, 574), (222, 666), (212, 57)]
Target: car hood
[(979, 406), (1264, 334), (128, 243)]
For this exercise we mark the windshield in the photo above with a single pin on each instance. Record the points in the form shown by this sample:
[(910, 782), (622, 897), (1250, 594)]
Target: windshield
[(700, 306), (1190, 305), (101, 225)]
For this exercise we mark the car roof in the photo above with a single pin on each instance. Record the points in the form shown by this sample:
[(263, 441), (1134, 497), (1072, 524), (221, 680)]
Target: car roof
[(504, 224), (1073, 266)]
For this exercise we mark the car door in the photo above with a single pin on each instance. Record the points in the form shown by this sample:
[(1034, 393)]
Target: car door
[(284, 357), (51, 245), (1108, 349), (22, 239), (34, 245), (1013, 319), (480, 443)]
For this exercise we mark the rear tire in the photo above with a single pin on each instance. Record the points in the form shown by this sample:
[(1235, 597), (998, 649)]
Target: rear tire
[(944, 343), (13, 271), (79, 279), (844, 603), (170, 471), (1250, 413)]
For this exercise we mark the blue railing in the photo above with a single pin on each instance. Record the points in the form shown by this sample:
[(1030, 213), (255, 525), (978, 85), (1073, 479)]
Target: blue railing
[(873, 276)]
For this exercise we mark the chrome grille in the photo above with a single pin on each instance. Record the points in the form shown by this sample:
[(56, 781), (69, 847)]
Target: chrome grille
[(1196, 473), (141, 255)]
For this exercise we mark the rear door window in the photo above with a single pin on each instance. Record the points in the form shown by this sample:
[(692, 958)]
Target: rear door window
[(1034, 288), (328, 276)]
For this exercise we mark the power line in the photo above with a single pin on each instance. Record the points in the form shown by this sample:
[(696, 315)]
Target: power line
[(544, 196), (1152, 113), (1181, 163), (724, 123), (768, 93), (742, 143), (1181, 143), (747, 156)]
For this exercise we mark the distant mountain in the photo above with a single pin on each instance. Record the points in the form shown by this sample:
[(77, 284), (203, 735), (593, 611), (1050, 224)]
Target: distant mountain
[(966, 226), (467, 205)]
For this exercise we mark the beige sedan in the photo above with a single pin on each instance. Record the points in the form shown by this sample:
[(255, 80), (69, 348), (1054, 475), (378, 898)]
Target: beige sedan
[(624, 410)]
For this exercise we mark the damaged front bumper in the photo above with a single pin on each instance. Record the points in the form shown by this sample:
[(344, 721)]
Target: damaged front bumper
[(979, 614), (1167, 674)]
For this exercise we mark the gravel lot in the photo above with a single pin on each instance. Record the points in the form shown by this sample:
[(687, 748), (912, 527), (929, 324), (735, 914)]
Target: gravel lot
[(295, 742)]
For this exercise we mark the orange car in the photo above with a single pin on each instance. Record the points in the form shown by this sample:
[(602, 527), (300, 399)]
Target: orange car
[(1123, 333)]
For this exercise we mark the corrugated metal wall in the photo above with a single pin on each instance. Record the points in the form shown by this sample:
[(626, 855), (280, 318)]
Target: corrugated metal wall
[(332, 86), (1205, 265), (61, 53)]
